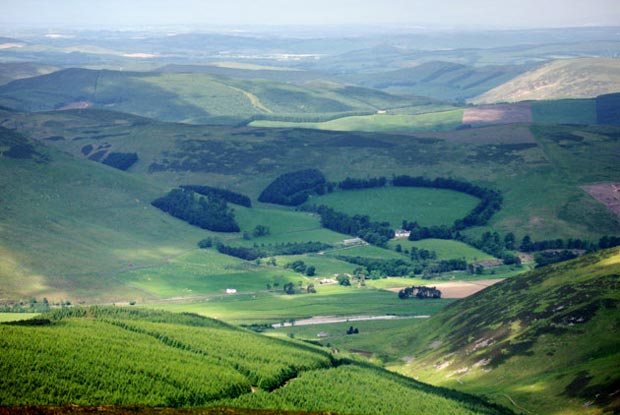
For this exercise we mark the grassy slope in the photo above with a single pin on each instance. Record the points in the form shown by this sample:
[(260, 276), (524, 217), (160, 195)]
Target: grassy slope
[(83, 222), (441, 80), (568, 78), (547, 340), (125, 356)]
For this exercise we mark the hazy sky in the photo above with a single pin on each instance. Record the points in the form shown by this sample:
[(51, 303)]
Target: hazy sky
[(444, 13)]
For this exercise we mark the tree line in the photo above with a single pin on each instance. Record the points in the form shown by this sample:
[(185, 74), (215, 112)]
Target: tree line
[(380, 268), (208, 212), (227, 195), (350, 183), (263, 251)]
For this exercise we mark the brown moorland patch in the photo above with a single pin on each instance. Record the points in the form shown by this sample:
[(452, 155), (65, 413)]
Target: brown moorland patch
[(606, 193)]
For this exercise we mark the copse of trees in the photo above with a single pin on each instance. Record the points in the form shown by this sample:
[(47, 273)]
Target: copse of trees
[(227, 195), (249, 254), (121, 161), (420, 292), (207, 212), (293, 189), (350, 184)]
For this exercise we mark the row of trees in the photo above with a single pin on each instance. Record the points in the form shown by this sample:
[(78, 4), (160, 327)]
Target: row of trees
[(263, 251), (527, 245), (227, 195), (293, 189), (208, 212), (350, 184), (380, 268)]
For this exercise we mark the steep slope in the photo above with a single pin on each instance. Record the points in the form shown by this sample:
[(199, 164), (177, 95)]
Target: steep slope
[(547, 342), (67, 225), (189, 97), (152, 358), (567, 78), (441, 80)]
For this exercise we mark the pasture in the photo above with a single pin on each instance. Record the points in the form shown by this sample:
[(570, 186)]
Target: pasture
[(445, 249), (385, 123), (426, 206), (272, 307), (204, 272)]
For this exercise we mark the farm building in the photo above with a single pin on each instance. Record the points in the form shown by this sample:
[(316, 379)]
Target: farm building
[(401, 234), (353, 242)]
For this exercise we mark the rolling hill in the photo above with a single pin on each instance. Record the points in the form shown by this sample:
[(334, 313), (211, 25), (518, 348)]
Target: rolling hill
[(559, 79), (121, 356), (514, 159), (545, 342), (193, 97), (10, 71), (68, 225), (441, 80)]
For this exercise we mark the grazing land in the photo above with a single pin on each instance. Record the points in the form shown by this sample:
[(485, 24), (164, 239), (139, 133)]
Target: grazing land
[(394, 204), (432, 121)]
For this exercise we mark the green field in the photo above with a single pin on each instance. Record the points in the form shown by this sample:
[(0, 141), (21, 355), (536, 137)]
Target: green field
[(387, 123), (394, 204), (204, 272), (369, 343), (445, 249), (272, 308), (326, 267)]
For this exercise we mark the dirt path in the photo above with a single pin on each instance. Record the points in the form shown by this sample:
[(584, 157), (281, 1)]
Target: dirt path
[(336, 319), (460, 289)]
